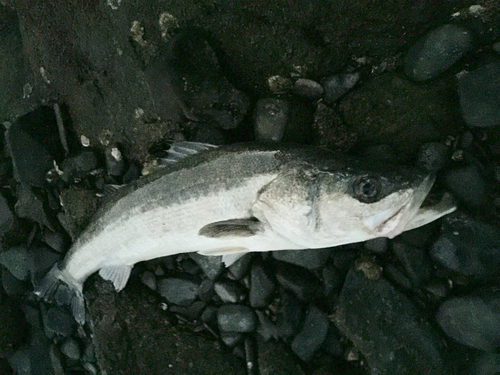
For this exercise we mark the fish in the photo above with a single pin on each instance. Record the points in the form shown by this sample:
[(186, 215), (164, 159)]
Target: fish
[(230, 200)]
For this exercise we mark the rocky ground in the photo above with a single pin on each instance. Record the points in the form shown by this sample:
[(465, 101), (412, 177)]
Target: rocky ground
[(93, 92)]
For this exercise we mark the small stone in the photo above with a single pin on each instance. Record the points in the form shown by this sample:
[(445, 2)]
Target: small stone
[(262, 286), (272, 364), (433, 156), (193, 311), (468, 185), (289, 316), (148, 278), (71, 349), (12, 285), (209, 315), (473, 320), (415, 262), (231, 338), (236, 318), (206, 290), (212, 266), (229, 291), (338, 85), (29, 206), (79, 165), (437, 51), (132, 174), (239, 268), (43, 259), (266, 328), (479, 99), (6, 217), (17, 261), (279, 85), (312, 335), (298, 280), (332, 279), (271, 117), (308, 88), (377, 245), (59, 321), (311, 259), (395, 275), (55, 240), (485, 364), (178, 291), (115, 162)]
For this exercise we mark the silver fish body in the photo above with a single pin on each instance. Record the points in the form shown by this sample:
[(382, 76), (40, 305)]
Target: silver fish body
[(243, 198)]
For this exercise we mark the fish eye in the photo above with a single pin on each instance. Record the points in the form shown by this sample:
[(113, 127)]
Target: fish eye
[(367, 189)]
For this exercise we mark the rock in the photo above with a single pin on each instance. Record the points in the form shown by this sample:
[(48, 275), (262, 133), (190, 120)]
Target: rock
[(467, 246), (71, 349), (192, 311), (265, 328), (79, 206), (437, 51), (231, 338), (229, 291), (30, 207), (133, 173), (330, 131), (78, 166), (239, 268), (377, 245), (42, 260), (262, 286), (473, 320), (212, 266), (208, 133), (58, 321), (387, 329), (270, 363), (14, 330), (337, 85), (308, 88), (148, 278), (332, 280), (55, 240), (311, 259), (415, 262), (236, 318), (433, 156), (468, 185), (6, 217), (17, 261), (485, 364), (206, 290), (289, 316), (178, 291), (479, 99), (115, 163), (271, 116), (12, 285), (298, 280), (312, 335)]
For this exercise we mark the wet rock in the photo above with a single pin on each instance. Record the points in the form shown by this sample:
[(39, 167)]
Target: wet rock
[(308, 88), (437, 51), (289, 316), (332, 279), (14, 329), (479, 97), (271, 117), (387, 328), (115, 163), (468, 185), (271, 364), (312, 335), (236, 318), (42, 260), (212, 266), (192, 311), (433, 156), (377, 245), (467, 245), (58, 321), (336, 86), (266, 329), (239, 268), (6, 217), (78, 166), (55, 240), (12, 285), (133, 173), (229, 291), (298, 280), (178, 291), (473, 320), (30, 206), (262, 286), (206, 290), (71, 349), (17, 261), (395, 275), (311, 259), (415, 262), (32, 315), (148, 278), (79, 207)]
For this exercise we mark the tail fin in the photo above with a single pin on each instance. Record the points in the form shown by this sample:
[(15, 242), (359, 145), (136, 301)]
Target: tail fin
[(56, 287)]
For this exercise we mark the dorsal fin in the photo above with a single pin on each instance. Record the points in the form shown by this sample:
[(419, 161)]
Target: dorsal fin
[(182, 149)]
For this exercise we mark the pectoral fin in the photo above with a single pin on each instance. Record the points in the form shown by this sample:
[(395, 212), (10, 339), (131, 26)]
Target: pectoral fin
[(232, 228), (118, 275)]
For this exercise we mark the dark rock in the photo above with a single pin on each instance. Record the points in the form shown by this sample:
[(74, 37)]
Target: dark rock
[(329, 130), (433, 156), (5, 367), (6, 217), (35, 358), (209, 315), (141, 331), (55, 240), (437, 51), (231, 338), (189, 266), (178, 291), (192, 311), (479, 97), (377, 245), (289, 316), (270, 363), (262, 286), (148, 278), (473, 320), (344, 258), (467, 245), (308, 88), (332, 279), (485, 364), (266, 329), (236, 318), (115, 163), (311, 259), (312, 335), (58, 321), (30, 207), (298, 280), (423, 236), (212, 266), (387, 328), (271, 116), (206, 290), (398, 277), (468, 185), (79, 207), (438, 288), (79, 165), (133, 173), (71, 349), (32, 315), (415, 262), (14, 328), (338, 85), (12, 285), (239, 268), (229, 291), (42, 260), (17, 261), (207, 133), (332, 344)]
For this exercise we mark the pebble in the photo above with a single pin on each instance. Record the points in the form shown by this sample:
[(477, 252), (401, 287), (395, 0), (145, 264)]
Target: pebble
[(298, 280), (71, 349), (58, 321), (231, 338), (236, 318), (312, 335), (78, 166), (55, 240), (12, 285), (206, 290), (212, 266), (378, 318), (29, 206), (311, 259), (332, 279), (266, 329), (229, 291), (262, 286), (17, 261), (473, 320), (240, 268), (377, 245), (148, 278), (271, 116), (337, 85), (479, 99), (6, 217), (308, 88), (468, 185), (433, 156), (289, 316), (178, 291), (415, 262), (467, 246), (42, 259), (115, 163), (437, 51)]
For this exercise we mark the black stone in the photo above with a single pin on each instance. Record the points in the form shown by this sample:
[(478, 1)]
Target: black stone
[(236, 318), (415, 262), (262, 286), (178, 291), (298, 280), (312, 335), (311, 259), (212, 266), (229, 291)]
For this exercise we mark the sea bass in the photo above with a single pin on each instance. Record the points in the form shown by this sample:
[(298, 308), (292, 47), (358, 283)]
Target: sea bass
[(236, 199)]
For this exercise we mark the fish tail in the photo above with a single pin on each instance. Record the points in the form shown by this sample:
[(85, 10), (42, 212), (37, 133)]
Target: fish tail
[(56, 286)]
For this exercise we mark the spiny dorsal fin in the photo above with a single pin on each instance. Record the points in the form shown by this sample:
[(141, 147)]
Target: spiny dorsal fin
[(182, 149)]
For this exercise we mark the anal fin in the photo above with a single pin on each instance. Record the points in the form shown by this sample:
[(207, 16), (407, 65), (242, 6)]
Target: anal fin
[(118, 275)]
